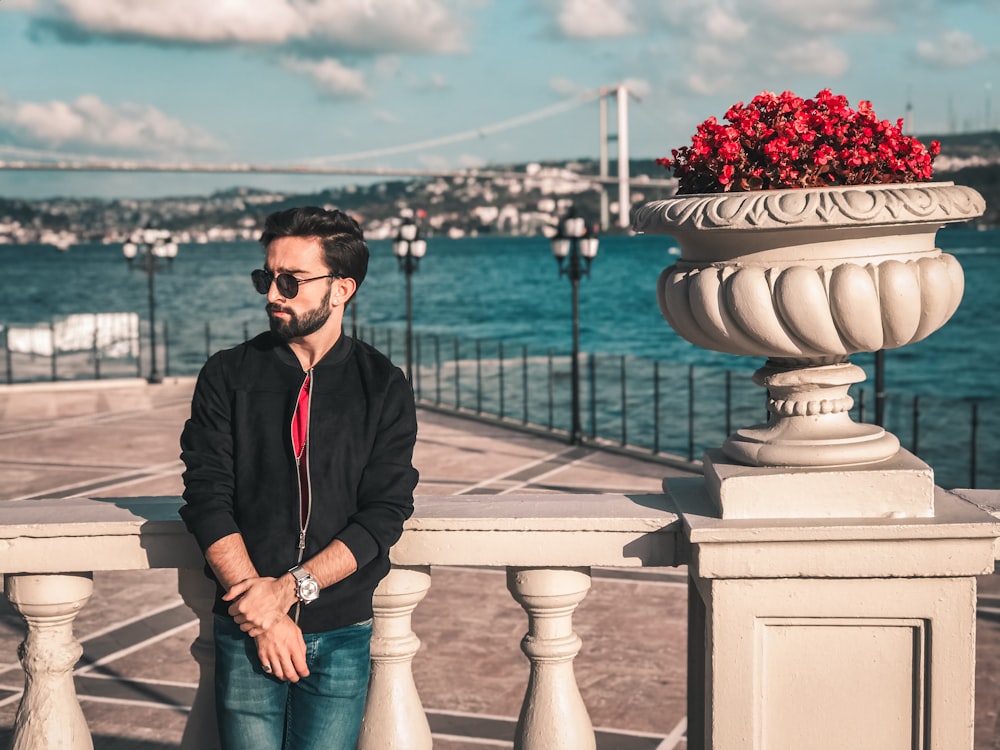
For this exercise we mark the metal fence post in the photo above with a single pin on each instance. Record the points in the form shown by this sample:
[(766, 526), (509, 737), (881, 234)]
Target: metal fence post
[(524, 381), (729, 403), (500, 375), (624, 380), (8, 355), (97, 351), (138, 348), (166, 348), (458, 374), (690, 412), (973, 444), (437, 369), (479, 378), (656, 406), (592, 373), (551, 377), (55, 347)]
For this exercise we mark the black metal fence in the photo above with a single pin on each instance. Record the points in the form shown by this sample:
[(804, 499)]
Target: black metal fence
[(666, 411)]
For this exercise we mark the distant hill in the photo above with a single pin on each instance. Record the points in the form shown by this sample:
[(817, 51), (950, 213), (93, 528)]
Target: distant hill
[(455, 206), (984, 144)]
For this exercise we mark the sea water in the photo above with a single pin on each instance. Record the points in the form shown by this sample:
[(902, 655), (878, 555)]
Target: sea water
[(495, 289)]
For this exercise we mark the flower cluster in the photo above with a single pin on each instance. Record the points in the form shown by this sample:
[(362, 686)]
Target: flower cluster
[(784, 141)]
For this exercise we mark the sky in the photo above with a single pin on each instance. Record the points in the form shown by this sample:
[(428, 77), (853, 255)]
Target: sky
[(445, 84)]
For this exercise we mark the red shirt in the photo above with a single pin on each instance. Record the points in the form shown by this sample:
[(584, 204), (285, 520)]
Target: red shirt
[(300, 436)]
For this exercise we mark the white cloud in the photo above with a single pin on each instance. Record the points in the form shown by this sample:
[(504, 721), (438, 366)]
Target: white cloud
[(330, 76), (720, 24), (221, 21), (384, 25), (370, 26), (952, 49), (89, 122), (813, 56), (594, 19)]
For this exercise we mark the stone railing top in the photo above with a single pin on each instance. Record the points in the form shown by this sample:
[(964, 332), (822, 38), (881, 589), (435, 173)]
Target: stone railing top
[(540, 530), (552, 530), (123, 533), (131, 533)]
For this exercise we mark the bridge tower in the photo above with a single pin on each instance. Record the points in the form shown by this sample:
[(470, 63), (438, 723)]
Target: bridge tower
[(621, 94)]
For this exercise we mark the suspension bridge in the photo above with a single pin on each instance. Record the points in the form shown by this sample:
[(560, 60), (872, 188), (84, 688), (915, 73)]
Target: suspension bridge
[(335, 164)]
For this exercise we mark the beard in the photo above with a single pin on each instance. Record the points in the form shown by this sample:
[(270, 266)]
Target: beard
[(299, 324)]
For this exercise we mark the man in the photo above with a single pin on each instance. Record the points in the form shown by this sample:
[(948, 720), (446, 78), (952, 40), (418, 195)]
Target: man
[(298, 479)]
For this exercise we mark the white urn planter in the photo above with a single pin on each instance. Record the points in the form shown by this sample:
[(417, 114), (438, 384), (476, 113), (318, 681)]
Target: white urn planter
[(805, 278)]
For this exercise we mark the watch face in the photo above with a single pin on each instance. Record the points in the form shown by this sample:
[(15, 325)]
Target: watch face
[(308, 590)]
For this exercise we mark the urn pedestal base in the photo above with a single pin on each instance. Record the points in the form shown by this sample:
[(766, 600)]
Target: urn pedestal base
[(809, 421), (900, 487)]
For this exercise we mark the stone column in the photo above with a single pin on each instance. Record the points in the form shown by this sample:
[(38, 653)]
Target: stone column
[(49, 715), (202, 730), (830, 633), (394, 717), (553, 716)]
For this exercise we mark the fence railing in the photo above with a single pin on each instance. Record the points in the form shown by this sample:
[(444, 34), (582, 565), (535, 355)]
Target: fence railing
[(665, 411)]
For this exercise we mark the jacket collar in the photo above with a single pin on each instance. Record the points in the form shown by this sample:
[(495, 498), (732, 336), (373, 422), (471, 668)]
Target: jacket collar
[(340, 351)]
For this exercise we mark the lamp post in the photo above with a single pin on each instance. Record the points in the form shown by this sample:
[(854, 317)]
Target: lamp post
[(152, 245), (574, 247), (409, 248)]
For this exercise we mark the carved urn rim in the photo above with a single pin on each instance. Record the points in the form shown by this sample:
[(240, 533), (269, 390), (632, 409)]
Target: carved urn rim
[(932, 203)]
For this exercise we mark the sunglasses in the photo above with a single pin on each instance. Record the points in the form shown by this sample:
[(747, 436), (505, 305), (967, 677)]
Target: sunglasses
[(288, 285)]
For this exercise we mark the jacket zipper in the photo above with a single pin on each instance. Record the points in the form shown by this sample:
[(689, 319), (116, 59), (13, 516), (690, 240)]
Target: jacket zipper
[(304, 521)]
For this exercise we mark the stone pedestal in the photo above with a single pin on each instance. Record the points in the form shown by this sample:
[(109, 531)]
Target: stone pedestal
[(394, 717), (49, 715), (202, 729), (900, 487), (830, 633)]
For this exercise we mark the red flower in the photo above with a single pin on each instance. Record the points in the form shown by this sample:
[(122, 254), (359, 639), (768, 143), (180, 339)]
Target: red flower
[(780, 141)]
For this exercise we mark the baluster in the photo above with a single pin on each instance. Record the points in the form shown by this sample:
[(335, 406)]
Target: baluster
[(394, 716), (202, 730), (553, 716), (49, 714)]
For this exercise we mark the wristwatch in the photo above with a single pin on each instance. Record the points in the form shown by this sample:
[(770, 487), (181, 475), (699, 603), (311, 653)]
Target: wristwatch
[(306, 587)]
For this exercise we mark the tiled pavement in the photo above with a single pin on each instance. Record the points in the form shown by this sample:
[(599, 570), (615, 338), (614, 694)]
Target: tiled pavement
[(137, 678)]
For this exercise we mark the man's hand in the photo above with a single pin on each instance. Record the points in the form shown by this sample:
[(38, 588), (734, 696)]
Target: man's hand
[(282, 651), (259, 603)]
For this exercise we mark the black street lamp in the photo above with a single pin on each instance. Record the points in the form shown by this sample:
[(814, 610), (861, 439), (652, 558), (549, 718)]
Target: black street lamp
[(409, 248), (574, 247), (152, 244)]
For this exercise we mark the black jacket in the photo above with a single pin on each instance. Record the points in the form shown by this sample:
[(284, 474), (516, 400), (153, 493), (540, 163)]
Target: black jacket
[(241, 471)]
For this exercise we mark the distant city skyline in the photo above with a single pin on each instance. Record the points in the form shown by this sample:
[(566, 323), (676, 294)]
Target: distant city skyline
[(477, 82)]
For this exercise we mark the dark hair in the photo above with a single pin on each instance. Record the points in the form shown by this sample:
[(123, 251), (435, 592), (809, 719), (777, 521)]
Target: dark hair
[(344, 247)]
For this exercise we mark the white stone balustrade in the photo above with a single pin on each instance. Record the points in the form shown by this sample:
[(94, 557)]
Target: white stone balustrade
[(538, 538), (802, 632)]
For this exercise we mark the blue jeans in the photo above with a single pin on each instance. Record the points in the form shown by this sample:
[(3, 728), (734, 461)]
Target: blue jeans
[(320, 712)]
